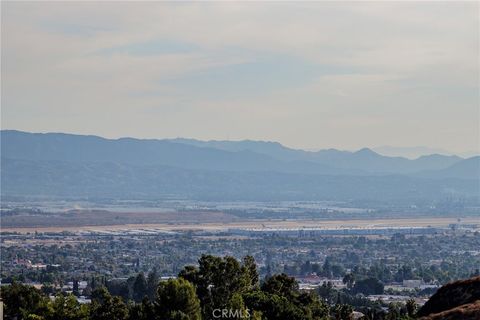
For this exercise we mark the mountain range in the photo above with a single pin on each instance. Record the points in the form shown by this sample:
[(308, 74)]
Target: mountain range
[(67, 165), (415, 152)]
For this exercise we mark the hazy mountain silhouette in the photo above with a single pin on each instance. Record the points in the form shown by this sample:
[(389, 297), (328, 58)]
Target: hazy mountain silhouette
[(419, 151), (70, 179), (65, 165), (365, 160), (78, 148), (213, 155), (465, 169)]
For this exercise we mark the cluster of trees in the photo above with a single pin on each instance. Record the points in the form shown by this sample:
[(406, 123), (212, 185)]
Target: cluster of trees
[(366, 286), (219, 287), (327, 269), (135, 288), (225, 283), (385, 273), (370, 309)]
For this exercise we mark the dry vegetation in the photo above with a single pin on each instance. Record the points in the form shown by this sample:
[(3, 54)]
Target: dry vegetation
[(456, 300)]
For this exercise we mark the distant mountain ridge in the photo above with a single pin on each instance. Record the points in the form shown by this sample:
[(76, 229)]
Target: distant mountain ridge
[(66, 165), (364, 159), (110, 180), (212, 155), (77, 148), (418, 151), (465, 169)]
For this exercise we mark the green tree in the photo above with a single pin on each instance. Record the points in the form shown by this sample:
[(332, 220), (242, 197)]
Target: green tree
[(21, 300), (250, 268), (273, 306), (282, 285), (139, 287), (313, 306), (368, 286), (176, 299), (412, 307), (280, 298), (349, 280), (106, 307), (152, 283), (217, 280), (343, 312), (141, 311), (67, 308), (393, 312), (76, 290), (327, 267)]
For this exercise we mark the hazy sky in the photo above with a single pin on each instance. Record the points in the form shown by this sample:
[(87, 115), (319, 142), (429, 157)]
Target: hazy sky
[(309, 75)]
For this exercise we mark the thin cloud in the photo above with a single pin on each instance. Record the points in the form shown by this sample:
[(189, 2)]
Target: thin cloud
[(307, 74)]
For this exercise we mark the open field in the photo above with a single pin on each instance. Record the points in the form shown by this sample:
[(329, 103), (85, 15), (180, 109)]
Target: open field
[(223, 224), (84, 218)]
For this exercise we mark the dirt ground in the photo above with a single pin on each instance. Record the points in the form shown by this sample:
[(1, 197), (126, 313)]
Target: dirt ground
[(217, 221)]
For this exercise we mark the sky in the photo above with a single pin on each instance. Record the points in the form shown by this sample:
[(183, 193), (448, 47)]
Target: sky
[(310, 75)]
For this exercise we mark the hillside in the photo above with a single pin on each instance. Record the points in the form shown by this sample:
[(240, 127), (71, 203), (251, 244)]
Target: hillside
[(456, 300), (466, 169), (119, 180), (469, 311)]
